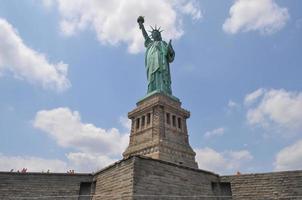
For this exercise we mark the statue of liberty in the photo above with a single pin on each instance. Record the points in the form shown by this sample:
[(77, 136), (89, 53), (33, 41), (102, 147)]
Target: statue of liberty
[(158, 56)]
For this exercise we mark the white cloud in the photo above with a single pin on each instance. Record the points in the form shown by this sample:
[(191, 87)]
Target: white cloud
[(126, 123), (252, 97), (240, 155), (33, 164), (209, 159), (78, 161), (48, 3), (232, 104), (265, 16), (88, 162), (216, 132), (289, 158), (91, 148), (191, 8), (277, 108), (27, 64), (66, 127), (227, 162), (115, 21), (94, 147)]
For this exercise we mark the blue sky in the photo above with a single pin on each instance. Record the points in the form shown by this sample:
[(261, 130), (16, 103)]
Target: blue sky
[(71, 70)]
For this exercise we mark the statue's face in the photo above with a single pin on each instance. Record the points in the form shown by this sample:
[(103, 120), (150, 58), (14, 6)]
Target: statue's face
[(156, 35)]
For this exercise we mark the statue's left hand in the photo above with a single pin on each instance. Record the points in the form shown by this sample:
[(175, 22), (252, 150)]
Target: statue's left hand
[(170, 44)]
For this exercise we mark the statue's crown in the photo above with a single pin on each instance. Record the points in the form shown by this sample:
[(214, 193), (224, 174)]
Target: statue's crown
[(155, 29)]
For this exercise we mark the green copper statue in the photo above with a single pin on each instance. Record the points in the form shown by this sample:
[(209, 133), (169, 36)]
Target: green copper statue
[(158, 56)]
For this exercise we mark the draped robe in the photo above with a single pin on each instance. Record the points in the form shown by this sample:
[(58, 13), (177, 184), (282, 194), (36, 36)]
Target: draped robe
[(158, 56)]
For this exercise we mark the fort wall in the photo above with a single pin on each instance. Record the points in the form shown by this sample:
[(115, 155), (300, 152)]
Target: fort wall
[(115, 182), (141, 177), (274, 185), (47, 185), (156, 179)]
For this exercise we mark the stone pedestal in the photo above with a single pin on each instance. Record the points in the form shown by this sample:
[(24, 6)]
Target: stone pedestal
[(159, 131)]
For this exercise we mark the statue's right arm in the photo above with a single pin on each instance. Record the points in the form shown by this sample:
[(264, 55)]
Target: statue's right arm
[(145, 34)]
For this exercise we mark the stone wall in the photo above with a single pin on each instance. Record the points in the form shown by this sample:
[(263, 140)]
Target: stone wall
[(51, 186), (115, 181), (276, 185), (151, 179), (156, 179)]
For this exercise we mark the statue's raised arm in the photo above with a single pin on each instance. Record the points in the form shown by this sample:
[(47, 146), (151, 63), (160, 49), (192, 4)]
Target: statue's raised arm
[(140, 21), (158, 56)]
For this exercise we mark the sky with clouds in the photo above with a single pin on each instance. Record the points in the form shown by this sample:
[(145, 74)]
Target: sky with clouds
[(70, 70)]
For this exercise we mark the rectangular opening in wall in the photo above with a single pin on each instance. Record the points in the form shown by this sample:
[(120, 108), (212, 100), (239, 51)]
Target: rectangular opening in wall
[(215, 188), (174, 120), (148, 118), (143, 121), (179, 122), (137, 123), (85, 191), (222, 189), (225, 189), (168, 118)]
